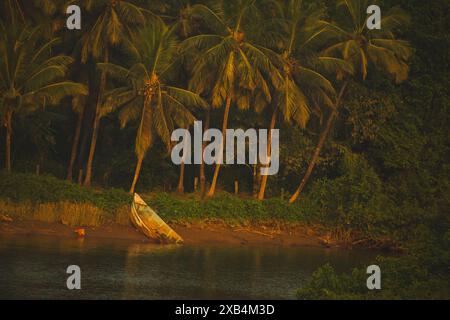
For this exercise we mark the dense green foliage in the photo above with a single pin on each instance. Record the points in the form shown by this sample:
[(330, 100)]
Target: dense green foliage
[(422, 274), (228, 208), (404, 136)]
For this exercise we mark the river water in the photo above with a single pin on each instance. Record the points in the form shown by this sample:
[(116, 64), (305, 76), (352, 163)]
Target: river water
[(34, 267)]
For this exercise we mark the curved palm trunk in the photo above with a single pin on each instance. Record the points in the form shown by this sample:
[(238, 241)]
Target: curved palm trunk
[(315, 156), (75, 143), (80, 177), (136, 174), (212, 189), (262, 188), (202, 163), (180, 187), (96, 125), (322, 139), (81, 154), (8, 141), (141, 154)]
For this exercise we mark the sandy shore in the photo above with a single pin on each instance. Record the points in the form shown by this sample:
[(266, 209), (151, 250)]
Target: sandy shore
[(192, 233)]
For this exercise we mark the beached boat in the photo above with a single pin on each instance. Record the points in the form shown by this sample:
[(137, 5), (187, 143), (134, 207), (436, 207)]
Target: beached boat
[(148, 221)]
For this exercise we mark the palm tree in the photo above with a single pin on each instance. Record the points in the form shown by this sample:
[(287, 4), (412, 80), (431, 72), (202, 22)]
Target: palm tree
[(31, 76), (78, 106), (202, 163), (304, 86), (359, 46), (37, 12), (11, 12), (159, 106), (231, 67), (113, 22)]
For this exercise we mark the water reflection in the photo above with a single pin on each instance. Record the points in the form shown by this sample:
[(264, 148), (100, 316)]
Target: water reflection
[(34, 267)]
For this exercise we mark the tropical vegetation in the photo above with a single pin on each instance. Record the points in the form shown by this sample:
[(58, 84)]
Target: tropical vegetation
[(363, 115)]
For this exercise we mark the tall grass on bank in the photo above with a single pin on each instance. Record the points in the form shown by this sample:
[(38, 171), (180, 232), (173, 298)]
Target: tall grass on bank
[(46, 198), (71, 214), (67, 213)]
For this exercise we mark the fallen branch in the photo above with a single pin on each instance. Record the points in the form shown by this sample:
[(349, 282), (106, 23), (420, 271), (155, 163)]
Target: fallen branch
[(254, 231)]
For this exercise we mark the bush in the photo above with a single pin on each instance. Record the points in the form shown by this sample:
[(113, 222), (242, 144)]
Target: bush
[(325, 283), (354, 200), (423, 273), (407, 277)]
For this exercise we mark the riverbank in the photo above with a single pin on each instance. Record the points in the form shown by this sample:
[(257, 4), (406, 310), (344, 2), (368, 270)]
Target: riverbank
[(43, 204), (198, 233)]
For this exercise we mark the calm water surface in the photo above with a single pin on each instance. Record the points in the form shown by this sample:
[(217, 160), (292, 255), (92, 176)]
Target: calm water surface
[(34, 267)]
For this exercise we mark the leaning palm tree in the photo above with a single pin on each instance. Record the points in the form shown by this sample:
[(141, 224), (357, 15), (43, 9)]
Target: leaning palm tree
[(31, 76), (78, 107), (113, 21), (230, 68), (360, 46), (304, 87), (148, 95)]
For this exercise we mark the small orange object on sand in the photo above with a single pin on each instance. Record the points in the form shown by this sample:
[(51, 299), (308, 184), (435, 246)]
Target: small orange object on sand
[(80, 232)]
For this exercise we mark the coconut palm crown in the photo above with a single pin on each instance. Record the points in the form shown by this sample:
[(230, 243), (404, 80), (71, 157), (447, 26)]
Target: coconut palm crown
[(147, 95)]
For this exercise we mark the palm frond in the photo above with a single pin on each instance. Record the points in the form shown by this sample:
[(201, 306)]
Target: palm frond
[(54, 92), (211, 18), (186, 97), (113, 70), (131, 111), (333, 65)]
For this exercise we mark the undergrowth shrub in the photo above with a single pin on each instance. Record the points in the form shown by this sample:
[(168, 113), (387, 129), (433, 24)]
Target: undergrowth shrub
[(353, 200)]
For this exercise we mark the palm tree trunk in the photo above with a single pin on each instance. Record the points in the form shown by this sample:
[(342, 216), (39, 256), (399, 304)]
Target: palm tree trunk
[(81, 155), (8, 119), (256, 182), (75, 143), (212, 189), (136, 174), (80, 177), (315, 156), (180, 188), (141, 153), (88, 177), (96, 125), (322, 139), (262, 189), (202, 163)]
